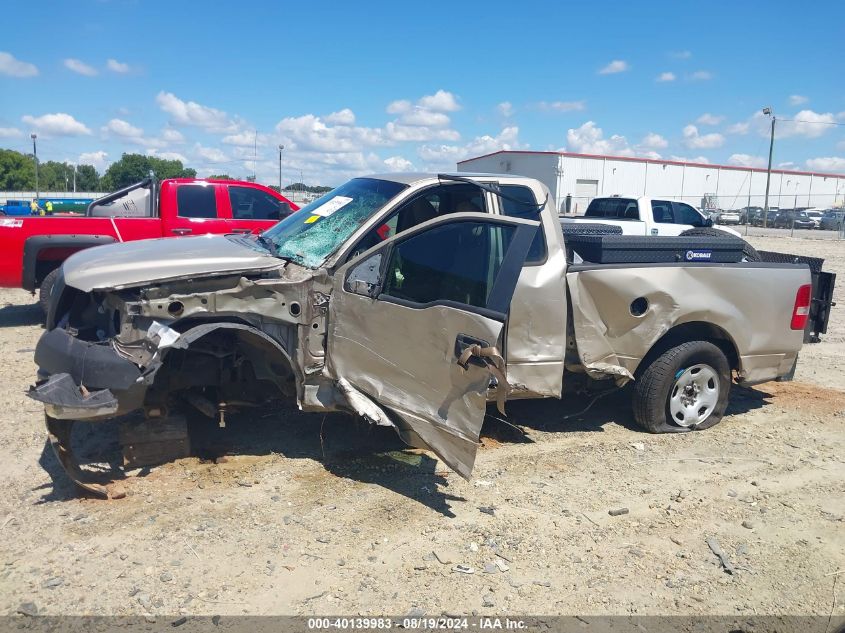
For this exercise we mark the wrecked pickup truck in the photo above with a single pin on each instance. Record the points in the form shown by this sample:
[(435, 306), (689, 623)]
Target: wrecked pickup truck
[(413, 300)]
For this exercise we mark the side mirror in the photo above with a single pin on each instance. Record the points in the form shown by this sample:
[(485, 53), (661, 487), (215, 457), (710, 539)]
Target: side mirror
[(708, 222), (364, 278)]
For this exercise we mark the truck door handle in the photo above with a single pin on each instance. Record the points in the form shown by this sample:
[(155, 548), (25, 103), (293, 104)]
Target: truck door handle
[(180, 231), (464, 341)]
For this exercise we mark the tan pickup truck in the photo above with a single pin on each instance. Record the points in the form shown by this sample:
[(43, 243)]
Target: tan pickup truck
[(414, 300)]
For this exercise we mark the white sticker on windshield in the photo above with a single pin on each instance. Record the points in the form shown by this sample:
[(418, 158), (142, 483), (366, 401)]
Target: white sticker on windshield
[(327, 208)]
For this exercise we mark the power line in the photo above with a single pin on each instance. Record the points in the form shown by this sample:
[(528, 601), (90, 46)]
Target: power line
[(813, 122)]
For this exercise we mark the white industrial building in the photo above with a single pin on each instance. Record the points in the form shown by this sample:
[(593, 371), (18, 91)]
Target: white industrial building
[(586, 176)]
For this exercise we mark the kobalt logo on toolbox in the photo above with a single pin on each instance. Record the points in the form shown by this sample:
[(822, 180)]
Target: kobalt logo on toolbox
[(698, 256)]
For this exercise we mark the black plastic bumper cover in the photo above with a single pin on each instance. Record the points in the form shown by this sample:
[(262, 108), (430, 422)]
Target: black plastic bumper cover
[(94, 365), (61, 391)]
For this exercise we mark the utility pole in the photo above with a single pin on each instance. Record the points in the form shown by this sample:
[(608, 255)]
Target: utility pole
[(74, 178), (768, 112), (34, 136), (281, 147)]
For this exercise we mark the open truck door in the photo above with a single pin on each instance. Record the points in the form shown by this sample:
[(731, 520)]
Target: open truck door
[(415, 326)]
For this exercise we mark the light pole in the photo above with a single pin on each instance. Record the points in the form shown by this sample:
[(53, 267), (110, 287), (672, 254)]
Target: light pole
[(768, 112), (34, 136), (281, 147), (74, 178)]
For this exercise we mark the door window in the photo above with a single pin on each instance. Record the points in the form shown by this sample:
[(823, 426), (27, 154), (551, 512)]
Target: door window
[(456, 263), (685, 214), (613, 209), (521, 203), (196, 201), (662, 210), (432, 203), (254, 204)]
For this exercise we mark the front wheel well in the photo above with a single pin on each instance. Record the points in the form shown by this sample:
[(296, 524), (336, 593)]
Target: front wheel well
[(692, 331)]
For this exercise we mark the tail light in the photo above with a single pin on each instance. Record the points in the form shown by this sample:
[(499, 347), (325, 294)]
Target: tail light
[(802, 307)]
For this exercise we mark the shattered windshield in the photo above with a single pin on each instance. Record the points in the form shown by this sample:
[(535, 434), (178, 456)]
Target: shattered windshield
[(314, 232)]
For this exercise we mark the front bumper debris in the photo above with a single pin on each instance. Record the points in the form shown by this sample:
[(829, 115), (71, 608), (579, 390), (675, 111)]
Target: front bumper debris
[(65, 400)]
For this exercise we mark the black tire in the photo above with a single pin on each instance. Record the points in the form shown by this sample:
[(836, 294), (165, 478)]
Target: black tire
[(46, 289), (748, 252), (654, 386)]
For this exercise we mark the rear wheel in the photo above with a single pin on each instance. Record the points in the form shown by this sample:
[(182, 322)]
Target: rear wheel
[(684, 389), (46, 289), (749, 253)]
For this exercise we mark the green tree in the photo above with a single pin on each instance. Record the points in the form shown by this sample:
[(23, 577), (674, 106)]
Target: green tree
[(87, 178), (132, 168), (17, 171), (221, 177)]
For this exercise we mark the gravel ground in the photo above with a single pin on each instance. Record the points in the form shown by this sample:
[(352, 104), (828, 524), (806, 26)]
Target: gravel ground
[(313, 515)]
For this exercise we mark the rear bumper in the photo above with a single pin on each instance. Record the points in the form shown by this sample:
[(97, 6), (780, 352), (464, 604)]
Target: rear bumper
[(83, 380)]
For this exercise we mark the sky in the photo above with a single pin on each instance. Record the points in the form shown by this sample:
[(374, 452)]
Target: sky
[(355, 88)]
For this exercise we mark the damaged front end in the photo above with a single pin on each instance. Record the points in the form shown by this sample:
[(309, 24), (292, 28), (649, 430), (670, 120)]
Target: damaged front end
[(209, 344)]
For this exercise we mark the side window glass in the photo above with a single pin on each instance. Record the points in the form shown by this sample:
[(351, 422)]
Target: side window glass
[(662, 212), (685, 214), (196, 201), (521, 203), (430, 204), (254, 204), (457, 262)]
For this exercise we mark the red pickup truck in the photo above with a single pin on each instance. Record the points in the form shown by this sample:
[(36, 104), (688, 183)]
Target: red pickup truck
[(33, 248)]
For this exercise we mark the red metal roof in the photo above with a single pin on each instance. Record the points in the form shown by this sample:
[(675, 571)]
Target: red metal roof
[(655, 161)]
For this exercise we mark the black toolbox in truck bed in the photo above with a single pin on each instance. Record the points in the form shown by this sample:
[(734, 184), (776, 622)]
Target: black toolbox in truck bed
[(635, 249)]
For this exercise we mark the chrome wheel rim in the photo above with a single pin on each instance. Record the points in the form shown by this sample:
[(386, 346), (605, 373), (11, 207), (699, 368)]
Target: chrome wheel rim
[(694, 395)]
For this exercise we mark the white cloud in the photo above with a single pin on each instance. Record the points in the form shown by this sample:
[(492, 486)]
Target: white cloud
[(440, 101), (506, 109), (589, 139), (680, 54), (13, 67), (98, 159), (170, 135), (211, 154), (738, 128), (342, 117), (398, 163), (805, 123), (694, 140), (418, 116), (117, 67), (696, 159), (80, 67), (247, 138), (119, 127), (654, 141), (396, 132), (445, 156), (701, 75), (667, 76), (311, 133), (399, 106), (195, 114), (797, 100), (709, 119), (167, 155), (562, 106), (746, 160), (10, 132), (58, 124), (827, 163), (616, 66)]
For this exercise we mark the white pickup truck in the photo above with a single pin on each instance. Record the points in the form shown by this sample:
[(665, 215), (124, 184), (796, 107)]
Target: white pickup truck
[(412, 300), (644, 216)]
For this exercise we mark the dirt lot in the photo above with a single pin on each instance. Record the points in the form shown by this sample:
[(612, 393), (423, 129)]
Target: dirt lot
[(292, 524)]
